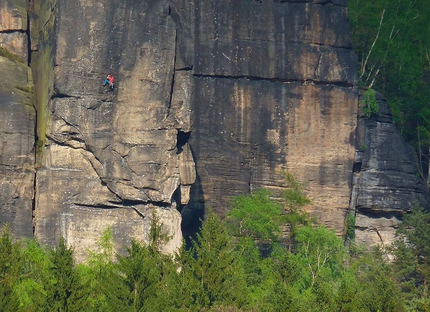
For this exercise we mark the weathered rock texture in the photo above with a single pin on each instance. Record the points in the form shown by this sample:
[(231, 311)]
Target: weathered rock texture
[(17, 121), (386, 178), (213, 99), (13, 27), (110, 157), (274, 91)]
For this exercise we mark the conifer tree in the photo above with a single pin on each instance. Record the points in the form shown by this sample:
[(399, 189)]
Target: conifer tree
[(10, 268), (183, 283), (378, 290), (146, 270), (412, 262), (35, 276), (217, 266), (108, 291), (67, 292)]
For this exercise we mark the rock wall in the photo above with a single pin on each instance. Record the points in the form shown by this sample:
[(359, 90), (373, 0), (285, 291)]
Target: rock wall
[(213, 99), (17, 126), (110, 157), (386, 178), (274, 91), (13, 28)]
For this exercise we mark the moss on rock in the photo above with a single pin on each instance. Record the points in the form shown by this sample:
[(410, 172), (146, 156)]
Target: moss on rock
[(9, 55)]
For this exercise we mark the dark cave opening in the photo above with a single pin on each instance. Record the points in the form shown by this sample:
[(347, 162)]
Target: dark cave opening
[(182, 139), (356, 168)]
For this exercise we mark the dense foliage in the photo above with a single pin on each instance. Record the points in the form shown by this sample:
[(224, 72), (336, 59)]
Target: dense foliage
[(248, 262), (391, 39)]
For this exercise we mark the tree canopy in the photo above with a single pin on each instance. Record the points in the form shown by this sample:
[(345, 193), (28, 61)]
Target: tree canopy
[(391, 39), (308, 269)]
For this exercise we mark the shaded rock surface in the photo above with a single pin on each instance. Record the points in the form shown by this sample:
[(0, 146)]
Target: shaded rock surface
[(386, 178)]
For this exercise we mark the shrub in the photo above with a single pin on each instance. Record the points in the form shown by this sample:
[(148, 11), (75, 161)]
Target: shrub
[(368, 103)]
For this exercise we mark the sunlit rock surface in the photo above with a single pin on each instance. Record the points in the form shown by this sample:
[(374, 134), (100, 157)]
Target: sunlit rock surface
[(212, 99), (274, 91), (17, 121)]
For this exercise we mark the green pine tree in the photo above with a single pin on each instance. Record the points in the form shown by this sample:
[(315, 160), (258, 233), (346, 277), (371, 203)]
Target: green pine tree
[(412, 261), (67, 292), (103, 276), (10, 268), (217, 266), (147, 270)]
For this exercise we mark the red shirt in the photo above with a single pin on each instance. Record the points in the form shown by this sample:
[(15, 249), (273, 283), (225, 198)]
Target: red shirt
[(111, 79)]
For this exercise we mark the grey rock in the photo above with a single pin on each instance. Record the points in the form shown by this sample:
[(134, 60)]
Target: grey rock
[(387, 180)]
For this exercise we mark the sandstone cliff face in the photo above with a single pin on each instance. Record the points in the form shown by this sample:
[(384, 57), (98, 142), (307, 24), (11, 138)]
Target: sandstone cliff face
[(274, 91), (213, 99), (110, 157), (13, 27), (386, 178), (17, 121), (192, 70)]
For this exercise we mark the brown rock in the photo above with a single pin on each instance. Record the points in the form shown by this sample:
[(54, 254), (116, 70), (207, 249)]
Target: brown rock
[(213, 99), (13, 15), (16, 147), (111, 157)]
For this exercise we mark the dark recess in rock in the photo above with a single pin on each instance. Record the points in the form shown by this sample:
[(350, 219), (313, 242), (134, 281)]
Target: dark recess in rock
[(182, 139), (357, 167), (176, 199)]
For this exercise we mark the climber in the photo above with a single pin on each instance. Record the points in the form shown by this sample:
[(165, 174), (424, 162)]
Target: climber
[(109, 80)]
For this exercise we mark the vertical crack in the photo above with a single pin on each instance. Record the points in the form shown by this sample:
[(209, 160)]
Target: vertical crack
[(28, 37), (172, 84), (37, 147), (30, 8), (33, 204), (317, 68)]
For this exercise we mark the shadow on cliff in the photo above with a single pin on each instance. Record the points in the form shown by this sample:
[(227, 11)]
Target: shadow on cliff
[(193, 213)]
